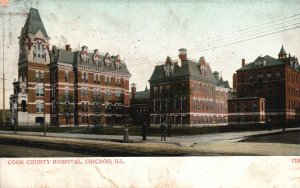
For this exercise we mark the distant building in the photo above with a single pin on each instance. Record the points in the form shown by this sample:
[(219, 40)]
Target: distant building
[(267, 88), (140, 105), (186, 92), (64, 87)]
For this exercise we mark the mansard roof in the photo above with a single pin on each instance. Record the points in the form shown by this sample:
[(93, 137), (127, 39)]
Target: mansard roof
[(142, 95), (34, 23), (189, 69), (73, 58), (268, 61)]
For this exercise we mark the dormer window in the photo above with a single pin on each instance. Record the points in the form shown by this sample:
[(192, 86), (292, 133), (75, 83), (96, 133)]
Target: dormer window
[(169, 66), (203, 70), (84, 55), (106, 59), (118, 64), (96, 58), (260, 63)]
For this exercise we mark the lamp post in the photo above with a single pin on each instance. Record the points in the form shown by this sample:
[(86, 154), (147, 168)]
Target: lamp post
[(44, 107), (15, 108), (3, 109)]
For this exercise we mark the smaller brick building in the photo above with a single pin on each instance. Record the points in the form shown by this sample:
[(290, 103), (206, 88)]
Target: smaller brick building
[(247, 110), (274, 82), (140, 106)]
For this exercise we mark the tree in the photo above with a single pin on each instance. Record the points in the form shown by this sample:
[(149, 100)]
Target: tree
[(66, 107)]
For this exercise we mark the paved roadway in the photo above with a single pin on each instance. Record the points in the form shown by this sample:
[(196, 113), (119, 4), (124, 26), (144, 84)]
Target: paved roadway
[(180, 140)]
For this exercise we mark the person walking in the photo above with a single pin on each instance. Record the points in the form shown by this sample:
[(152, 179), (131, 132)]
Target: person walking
[(163, 130), (269, 124), (144, 131), (126, 136)]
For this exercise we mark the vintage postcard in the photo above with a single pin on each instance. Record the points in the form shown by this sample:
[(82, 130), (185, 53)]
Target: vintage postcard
[(144, 93)]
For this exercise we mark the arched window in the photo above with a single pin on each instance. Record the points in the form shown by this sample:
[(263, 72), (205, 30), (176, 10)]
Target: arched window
[(23, 104)]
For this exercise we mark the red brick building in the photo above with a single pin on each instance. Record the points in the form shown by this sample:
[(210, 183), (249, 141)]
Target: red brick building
[(186, 92), (65, 87), (274, 81), (140, 106)]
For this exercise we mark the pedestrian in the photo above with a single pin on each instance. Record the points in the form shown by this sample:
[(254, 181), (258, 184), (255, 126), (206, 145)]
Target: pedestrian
[(269, 124), (144, 131), (163, 130), (126, 136)]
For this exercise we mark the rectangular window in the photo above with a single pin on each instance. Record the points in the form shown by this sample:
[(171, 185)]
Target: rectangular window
[(168, 88), (66, 92), (66, 76), (53, 92), (39, 91), (118, 82), (254, 107), (39, 76), (161, 89), (278, 75), (237, 107), (39, 107), (269, 75), (82, 107), (250, 78), (87, 77), (155, 90), (106, 80), (245, 107), (95, 78)]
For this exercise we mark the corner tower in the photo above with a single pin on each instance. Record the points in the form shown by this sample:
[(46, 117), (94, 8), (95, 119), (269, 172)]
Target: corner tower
[(31, 102)]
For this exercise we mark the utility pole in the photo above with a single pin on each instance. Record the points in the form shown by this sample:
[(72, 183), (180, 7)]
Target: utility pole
[(3, 109)]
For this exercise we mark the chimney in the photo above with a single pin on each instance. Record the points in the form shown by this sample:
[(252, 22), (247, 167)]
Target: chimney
[(182, 54), (243, 62), (68, 47), (133, 90), (217, 75), (234, 82)]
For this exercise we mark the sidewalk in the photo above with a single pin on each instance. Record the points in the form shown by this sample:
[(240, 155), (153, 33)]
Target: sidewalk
[(178, 140)]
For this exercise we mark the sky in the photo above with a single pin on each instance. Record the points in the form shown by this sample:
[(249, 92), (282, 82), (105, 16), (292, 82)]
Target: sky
[(144, 33)]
